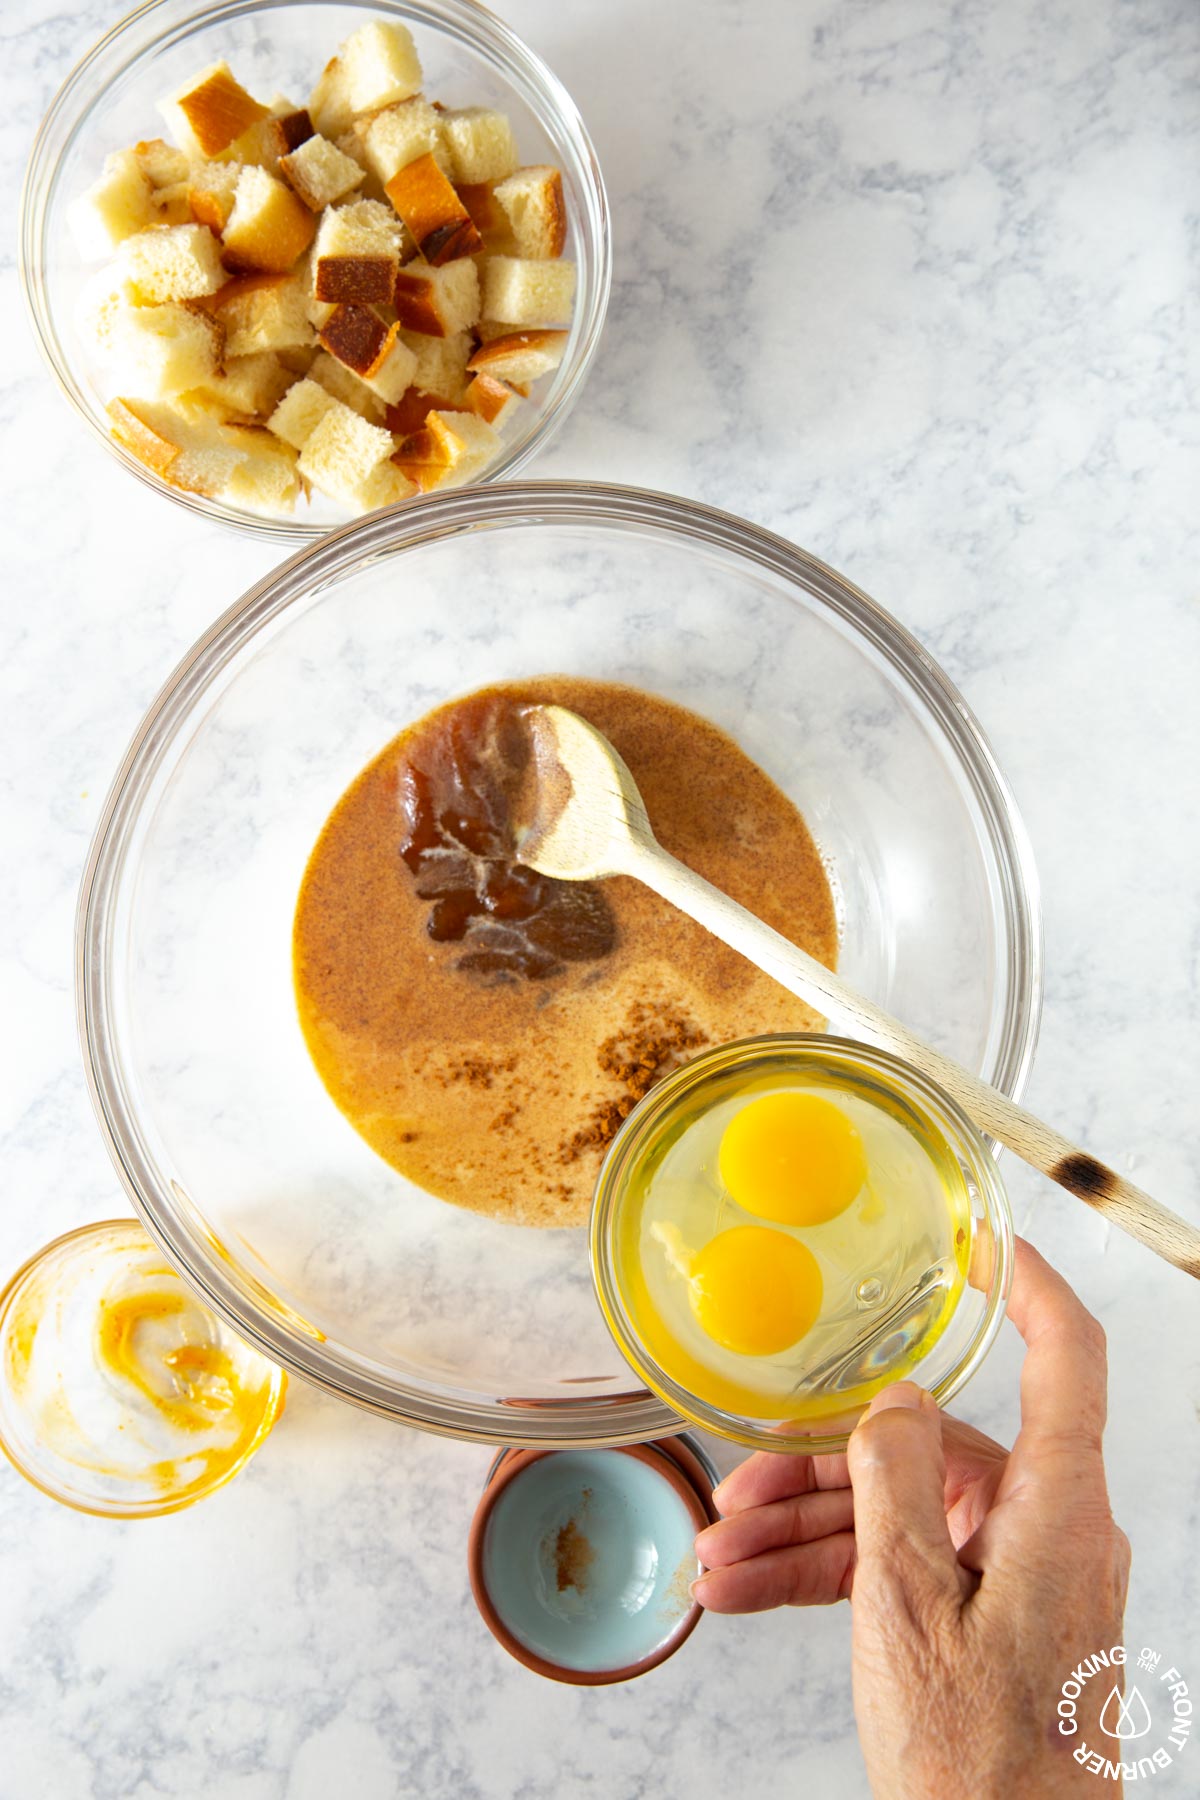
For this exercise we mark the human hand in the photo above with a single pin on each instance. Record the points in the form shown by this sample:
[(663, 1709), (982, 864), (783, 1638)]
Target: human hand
[(786, 1537), (960, 1644)]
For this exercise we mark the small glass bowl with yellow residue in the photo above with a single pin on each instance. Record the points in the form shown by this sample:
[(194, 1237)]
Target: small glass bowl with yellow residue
[(120, 1393), (788, 1224)]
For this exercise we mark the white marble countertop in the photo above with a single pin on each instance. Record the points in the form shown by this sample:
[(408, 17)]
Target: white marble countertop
[(907, 282)]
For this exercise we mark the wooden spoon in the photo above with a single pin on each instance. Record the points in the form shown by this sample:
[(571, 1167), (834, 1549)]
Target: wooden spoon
[(580, 817)]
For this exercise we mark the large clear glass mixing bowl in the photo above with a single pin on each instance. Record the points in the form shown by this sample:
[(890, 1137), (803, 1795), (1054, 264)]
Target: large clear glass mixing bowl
[(240, 1165)]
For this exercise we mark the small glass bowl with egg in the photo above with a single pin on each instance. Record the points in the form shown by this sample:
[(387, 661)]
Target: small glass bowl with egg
[(788, 1224)]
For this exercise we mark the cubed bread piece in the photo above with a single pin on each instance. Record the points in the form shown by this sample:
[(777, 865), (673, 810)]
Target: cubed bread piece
[(209, 111), (342, 452), (356, 255), (164, 350), (402, 133), (386, 485), (161, 163), (265, 480), (350, 144), (211, 190), (450, 447), (173, 206), (259, 147), (487, 329), (346, 386), (470, 440), (493, 400), (329, 103), (269, 140), (422, 459), (300, 412), (116, 206), (520, 356), (299, 362), (361, 228), (441, 366), (319, 312), (481, 144), (533, 201), (265, 312), (294, 124), (147, 441), (522, 290), (438, 302), (104, 299), (247, 388), (395, 373), (319, 173), (361, 280), (409, 413), (437, 220), (381, 65), (358, 338), (489, 218), (173, 262), (269, 228), (205, 455)]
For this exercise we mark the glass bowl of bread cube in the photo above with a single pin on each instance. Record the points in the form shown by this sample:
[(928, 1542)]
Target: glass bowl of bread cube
[(295, 263)]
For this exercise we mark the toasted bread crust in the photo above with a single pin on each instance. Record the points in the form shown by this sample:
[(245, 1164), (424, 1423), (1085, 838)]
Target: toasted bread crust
[(534, 205), (422, 457), (360, 280), (219, 110), (416, 306), (295, 128), (158, 453), (489, 398), (358, 338), (412, 409), (506, 358), (440, 224), (209, 209)]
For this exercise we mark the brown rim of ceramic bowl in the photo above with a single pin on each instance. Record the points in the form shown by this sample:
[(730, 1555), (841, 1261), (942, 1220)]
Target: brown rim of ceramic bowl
[(676, 1448), (514, 1463)]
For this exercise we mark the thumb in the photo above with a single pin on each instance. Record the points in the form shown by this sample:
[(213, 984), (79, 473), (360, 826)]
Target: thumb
[(898, 1473)]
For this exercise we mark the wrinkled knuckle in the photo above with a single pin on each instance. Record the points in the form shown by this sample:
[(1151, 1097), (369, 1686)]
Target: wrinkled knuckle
[(907, 1616), (1093, 1337), (877, 1439)]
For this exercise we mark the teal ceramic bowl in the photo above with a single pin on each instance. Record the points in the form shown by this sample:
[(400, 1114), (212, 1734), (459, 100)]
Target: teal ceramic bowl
[(582, 1561)]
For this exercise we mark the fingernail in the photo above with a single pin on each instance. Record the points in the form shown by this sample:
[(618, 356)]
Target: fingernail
[(717, 1492), (697, 1590)]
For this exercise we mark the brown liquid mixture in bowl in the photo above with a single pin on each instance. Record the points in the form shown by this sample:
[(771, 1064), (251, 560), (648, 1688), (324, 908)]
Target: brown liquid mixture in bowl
[(487, 1029)]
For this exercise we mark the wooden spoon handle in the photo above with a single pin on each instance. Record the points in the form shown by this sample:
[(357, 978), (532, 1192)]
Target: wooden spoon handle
[(1127, 1206)]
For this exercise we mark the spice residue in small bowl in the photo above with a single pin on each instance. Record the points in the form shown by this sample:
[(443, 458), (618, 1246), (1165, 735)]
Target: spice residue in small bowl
[(574, 1553)]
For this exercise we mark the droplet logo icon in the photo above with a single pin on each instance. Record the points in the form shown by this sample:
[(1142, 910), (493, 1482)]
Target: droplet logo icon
[(1125, 1718)]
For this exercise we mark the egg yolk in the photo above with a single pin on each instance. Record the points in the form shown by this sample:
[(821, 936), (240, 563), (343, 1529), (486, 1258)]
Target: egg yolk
[(755, 1291), (793, 1158)]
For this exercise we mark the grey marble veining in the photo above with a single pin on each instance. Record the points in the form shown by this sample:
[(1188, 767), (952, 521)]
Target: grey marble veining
[(908, 282)]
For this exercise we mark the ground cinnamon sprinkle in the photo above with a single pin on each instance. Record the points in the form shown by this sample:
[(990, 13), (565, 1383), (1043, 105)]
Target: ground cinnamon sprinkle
[(574, 1554), (477, 1071), (648, 1048)]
